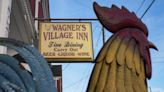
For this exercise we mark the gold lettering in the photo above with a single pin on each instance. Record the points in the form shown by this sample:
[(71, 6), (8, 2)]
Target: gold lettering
[(82, 36)]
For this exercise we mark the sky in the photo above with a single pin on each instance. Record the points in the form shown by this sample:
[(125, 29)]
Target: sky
[(76, 75)]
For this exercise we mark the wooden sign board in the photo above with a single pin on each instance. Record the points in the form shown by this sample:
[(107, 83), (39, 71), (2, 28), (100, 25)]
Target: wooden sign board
[(66, 41)]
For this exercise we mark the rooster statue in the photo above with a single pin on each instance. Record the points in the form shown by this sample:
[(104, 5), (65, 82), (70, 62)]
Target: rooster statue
[(123, 64)]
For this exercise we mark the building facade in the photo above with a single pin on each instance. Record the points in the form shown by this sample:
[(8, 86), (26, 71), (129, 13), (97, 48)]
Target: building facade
[(57, 73), (5, 11), (17, 20)]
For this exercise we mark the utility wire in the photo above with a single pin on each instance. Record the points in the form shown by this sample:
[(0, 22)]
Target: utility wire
[(76, 88), (66, 66), (82, 4), (96, 43), (88, 72), (147, 9), (158, 62), (76, 82), (140, 6), (157, 57), (150, 89), (98, 38)]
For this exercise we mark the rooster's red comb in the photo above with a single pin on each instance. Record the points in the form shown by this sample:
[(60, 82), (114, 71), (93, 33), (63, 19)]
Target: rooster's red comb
[(114, 18)]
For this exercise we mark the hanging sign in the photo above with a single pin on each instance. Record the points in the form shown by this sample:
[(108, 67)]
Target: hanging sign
[(66, 41)]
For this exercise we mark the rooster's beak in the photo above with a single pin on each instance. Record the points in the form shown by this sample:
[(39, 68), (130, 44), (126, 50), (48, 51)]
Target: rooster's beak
[(151, 45)]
